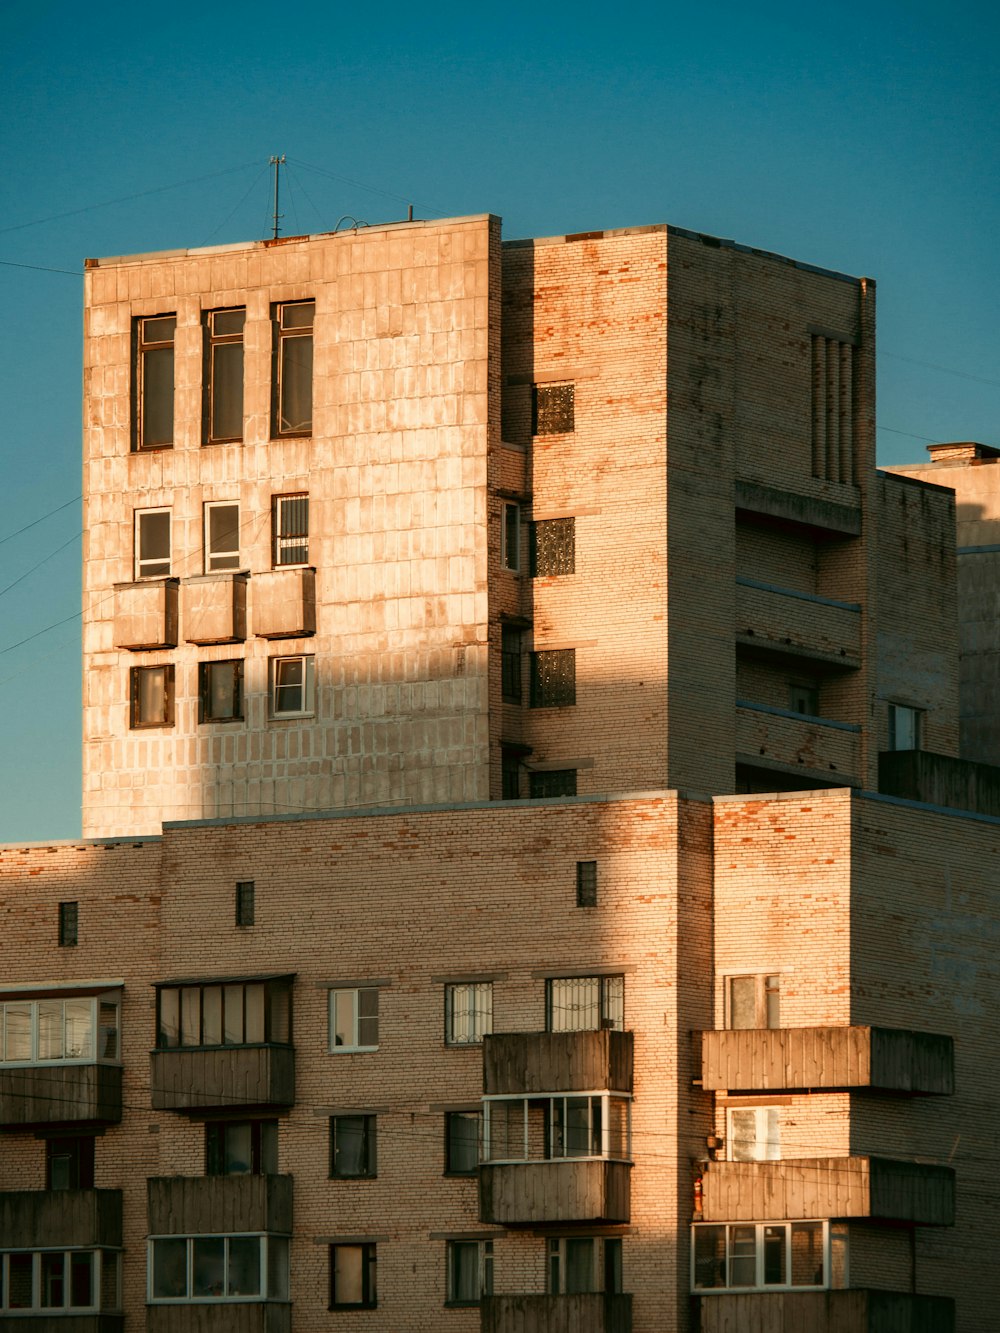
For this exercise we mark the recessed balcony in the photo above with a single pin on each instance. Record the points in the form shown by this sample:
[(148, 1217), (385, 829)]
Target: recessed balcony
[(848, 1311), (796, 743), (53, 1219), (213, 608), (240, 1076), (539, 1192), (44, 1094), (582, 1312), (784, 1059), (215, 1205), (284, 603), (146, 614), (823, 1187), (538, 1062), (784, 622)]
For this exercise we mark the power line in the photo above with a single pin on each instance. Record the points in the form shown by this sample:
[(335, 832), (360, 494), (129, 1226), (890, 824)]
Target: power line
[(41, 268), (43, 561), (946, 370), (35, 522)]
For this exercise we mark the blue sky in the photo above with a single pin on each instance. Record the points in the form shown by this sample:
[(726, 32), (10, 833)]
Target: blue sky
[(856, 137)]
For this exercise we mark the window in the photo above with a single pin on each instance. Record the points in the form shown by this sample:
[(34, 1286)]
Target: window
[(756, 1255), (904, 727), (225, 1013), (470, 1271), (152, 543), (553, 678), (293, 367), (80, 1029), (218, 1268), (803, 699), (462, 1131), (291, 686), (468, 1012), (290, 526), (552, 547), (220, 691), (584, 1263), (510, 773), (353, 1147), (69, 1163), (245, 902), (352, 1277), (510, 545), (510, 663), (354, 1019), (153, 383), (550, 1127), (552, 408), (241, 1147), (222, 536), (223, 405), (586, 883), (753, 1002), (582, 1004), (753, 1133), (69, 924), (550, 782), (152, 696), (56, 1280)]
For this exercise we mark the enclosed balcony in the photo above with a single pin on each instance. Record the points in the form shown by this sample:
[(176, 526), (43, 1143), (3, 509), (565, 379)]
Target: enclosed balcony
[(52, 1218), (823, 1187), (284, 603), (146, 614), (849, 1311), (785, 622), (583, 1312), (528, 1062), (797, 743), (213, 608), (785, 1059), (213, 1205)]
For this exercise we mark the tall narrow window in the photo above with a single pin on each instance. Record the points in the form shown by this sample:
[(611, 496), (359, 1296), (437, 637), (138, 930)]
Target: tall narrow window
[(510, 546), (69, 920), (510, 663), (290, 524), (470, 1271), (292, 691), (152, 696), (352, 1277), (463, 1131), (220, 686), (468, 1012), (152, 543), (224, 375), (222, 535), (293, 367), (510, 773), (153, 382), (904, 727), (586, 883), (245, 902)]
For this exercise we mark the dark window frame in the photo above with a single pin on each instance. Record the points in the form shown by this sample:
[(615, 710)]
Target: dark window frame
[(263, 1146), (69, 924), (552, 548), (369, 1276), (605, 1001), (365, 1125), (553, 678), (553, 408), (245, 903), (586, 883), (69, 1158), (546, 784), (285, 337), (276, 1016), (456, 1144), (484, 1272), (156, 566), (216, 345), (147, 352), (136, 674), (206, 672), (511, 654)]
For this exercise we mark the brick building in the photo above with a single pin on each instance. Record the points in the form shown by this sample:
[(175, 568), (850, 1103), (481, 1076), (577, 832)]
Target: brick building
[(539, 833)]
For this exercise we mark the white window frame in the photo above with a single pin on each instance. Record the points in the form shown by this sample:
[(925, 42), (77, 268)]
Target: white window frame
[(265, 1242), (765, 1145), (912, 718), (276, 667), (356, 1019), (759, 1230), (222, 561), (96, 1257), (282, 540), (608, 1004), (555, 1263), (484, 1270), (468, 1012), (510, 536), (546, 1103), (763, 989), (93, 1054), (143, 567)]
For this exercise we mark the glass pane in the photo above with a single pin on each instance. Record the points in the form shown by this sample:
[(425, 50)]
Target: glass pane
[(81, 1280), (279, 1015), (237, 1159), (169, 1268), (269, 1147), (208, 1277), (807, 1254), (60, 1169), (79, 1029), (277, 1268), (743, 1002), (50, 1029), (348, 1286), (19, 1285), (110, 1279), (579, 1265), (191, 1016), (255, 1013), (296, 384), (154, 537), (289, 695), (107, 1018), (227, 391), (709, 1257), (223, 537), (228, 323), (53, 1280), (368, 1018), (578, 1139), (211, 1016), (612, 1265), (617, 1127), (743, 1135), (244, 1266), (349, 1145), (157, 394), (170, 1017), (342, 1006), (152, 694), (464, 1271), (298, 316), (574, 1004), (18, 1032), (774, 1256), (234, 1015), (463, 1140), (743, 1256), (613, 1013)]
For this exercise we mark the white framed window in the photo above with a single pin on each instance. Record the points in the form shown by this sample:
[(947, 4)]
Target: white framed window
[(753, 1133), (292, 686), (57, 1281), (904, 727), (552, 1127), (290, 530), (759, 1256), (222, 535), (251, 1267), (583, 1004), (753, 1001), (469, 1271), (354, 1019), (468, 1012), (510, 542), (80, 1029), (152, 543)]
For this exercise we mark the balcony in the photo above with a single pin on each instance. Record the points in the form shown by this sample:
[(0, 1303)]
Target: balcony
[(782, 621), (783, 1059), (813, 747), (50, 1219), (831, 512), (284, 603), (822, 1187), (240, 1076), (207, 1205), (823, 1312), (584, 1312), (226, 1317), (533, 1193), (146, 614), (214, 608), (938, 779), (45, 1094), (551, 1062)]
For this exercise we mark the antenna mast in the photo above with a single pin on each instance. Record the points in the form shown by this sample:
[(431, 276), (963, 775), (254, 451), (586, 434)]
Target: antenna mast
[(276, 162)]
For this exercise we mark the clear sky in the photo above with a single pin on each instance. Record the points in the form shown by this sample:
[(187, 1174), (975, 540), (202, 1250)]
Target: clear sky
[(863, 138)]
